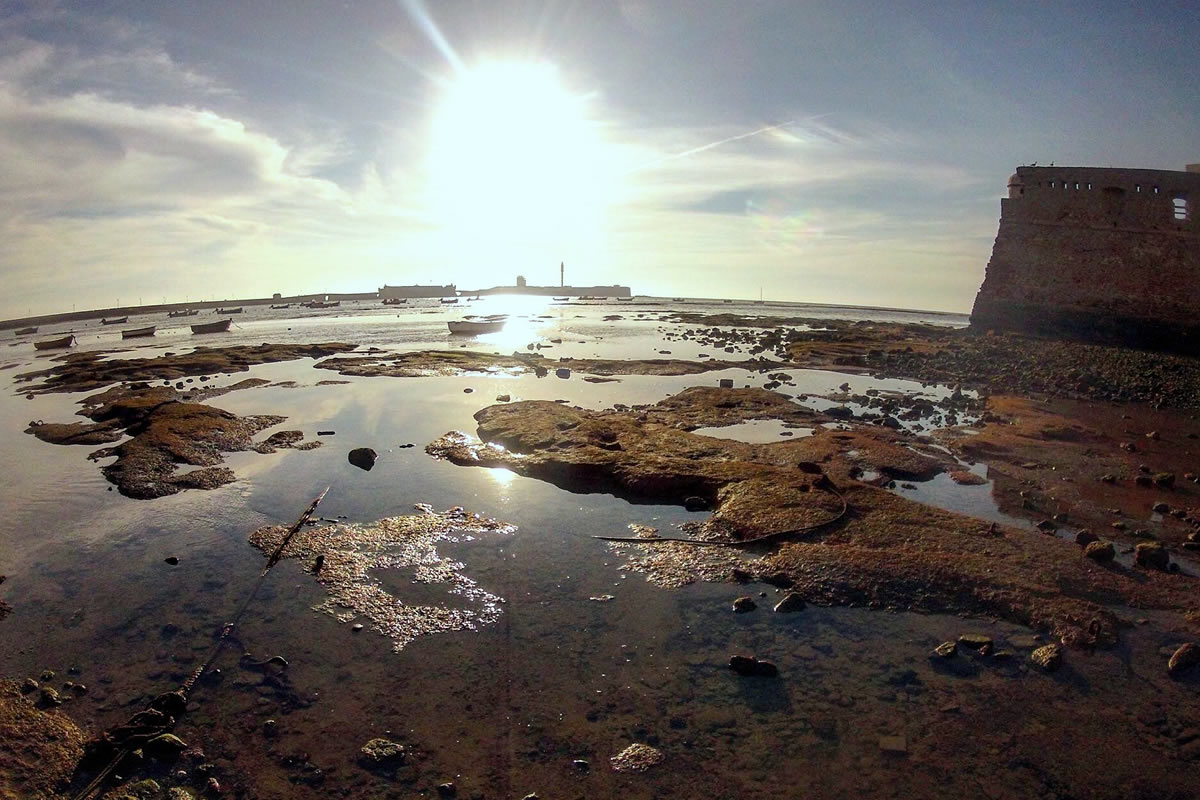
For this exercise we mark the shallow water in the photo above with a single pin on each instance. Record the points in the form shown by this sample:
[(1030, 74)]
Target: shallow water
[(504, 710)]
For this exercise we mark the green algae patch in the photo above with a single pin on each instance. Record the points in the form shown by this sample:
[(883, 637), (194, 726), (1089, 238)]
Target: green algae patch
[(38, 749)]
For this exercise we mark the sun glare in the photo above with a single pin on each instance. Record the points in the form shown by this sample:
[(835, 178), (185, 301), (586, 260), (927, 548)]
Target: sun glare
[(515, 162)]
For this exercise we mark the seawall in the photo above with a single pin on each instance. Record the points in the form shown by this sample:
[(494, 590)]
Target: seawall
[(1098, 254)]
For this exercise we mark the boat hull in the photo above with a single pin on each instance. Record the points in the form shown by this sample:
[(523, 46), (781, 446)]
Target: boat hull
[(53, 344), (212, 327), (468, 328), (134, 333)]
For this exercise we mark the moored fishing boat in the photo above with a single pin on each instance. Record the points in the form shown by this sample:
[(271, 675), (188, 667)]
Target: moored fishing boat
[(114, 321), (51, 344), (451, 300), (285, 305), (395, 301), (27, 331), (133, 333), (470, 327), (220, 326), (321, 304), (237, 310), (187, 312)]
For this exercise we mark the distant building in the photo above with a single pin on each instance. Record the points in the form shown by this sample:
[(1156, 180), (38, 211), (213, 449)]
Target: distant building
[(1097, 253)]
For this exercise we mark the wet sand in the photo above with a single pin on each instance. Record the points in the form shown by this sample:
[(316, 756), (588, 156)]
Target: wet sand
[(585, 656)]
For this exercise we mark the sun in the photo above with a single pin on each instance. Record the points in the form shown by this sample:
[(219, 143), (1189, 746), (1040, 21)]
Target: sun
[(517, 161)]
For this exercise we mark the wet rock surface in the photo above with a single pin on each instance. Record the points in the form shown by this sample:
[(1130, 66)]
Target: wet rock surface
[(167, 429), (79, 372), (888, 552), (426, 363), (38, 749)]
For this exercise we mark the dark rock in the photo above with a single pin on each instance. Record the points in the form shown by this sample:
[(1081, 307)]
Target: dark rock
[(581, 764), (1183, 659), (743, 604), (362, 457), (1085, 537), (975, 641), (447, 789), (1047, 526), (1164, 480), (1151, 555), (751, 666), (1100, 552), (790, 602), (381, 753), (1160, 508), (165, 745), (49, 697), (172, 560), (945, 650), (1048, 658)]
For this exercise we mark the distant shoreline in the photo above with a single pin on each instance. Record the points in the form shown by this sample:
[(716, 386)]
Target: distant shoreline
[(159, 308)]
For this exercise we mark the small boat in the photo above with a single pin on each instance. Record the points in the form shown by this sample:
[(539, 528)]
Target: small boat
[(220, 326), (237, 310), (285, 305), (27, 331), (51, 344), (625, 299), (395, 301), (451, 300), (133, 333), (560, 299), (321, 304), (677, 299), (466, 327), (114, 321), (187, 312)]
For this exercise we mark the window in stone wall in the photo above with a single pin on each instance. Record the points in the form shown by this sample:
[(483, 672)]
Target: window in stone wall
[(1181, 209)]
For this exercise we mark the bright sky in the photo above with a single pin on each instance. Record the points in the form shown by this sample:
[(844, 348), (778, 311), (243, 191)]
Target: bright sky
[(836, 151)]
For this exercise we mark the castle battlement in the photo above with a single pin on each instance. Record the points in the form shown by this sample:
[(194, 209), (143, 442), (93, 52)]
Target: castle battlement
[(1098, 253)]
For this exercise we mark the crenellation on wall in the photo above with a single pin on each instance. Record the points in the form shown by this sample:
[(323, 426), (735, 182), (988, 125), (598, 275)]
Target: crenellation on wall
[(1097, 253)]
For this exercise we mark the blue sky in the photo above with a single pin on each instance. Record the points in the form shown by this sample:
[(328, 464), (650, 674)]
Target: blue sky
[(845, 151)]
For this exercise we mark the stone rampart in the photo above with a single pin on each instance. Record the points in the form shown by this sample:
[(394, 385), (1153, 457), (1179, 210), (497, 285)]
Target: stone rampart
[(1100, 254)]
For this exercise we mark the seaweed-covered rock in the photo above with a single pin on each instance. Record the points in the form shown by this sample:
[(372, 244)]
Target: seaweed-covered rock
[(380, 752), (1151, 555), (1047, 658)]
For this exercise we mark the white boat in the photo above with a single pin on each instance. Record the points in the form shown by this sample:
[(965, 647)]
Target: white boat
[(470, 327)]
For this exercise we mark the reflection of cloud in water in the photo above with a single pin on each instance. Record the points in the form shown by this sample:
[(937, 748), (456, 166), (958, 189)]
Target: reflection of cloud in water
[(352, 551)]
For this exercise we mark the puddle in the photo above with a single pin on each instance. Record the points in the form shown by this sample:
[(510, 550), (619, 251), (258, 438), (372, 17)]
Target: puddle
[(756, 431)]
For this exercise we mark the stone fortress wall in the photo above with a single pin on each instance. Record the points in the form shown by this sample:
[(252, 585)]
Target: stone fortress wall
[(1095, 253)]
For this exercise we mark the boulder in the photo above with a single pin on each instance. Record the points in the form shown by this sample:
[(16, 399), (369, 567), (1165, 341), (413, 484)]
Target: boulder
[(362, 457), (790, 602), (1151, 555), (1048, 658), (1100, 552)]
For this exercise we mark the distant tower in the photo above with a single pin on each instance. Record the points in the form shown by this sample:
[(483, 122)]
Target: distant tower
[(521, 281), (561, 279), (1016, 186)]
